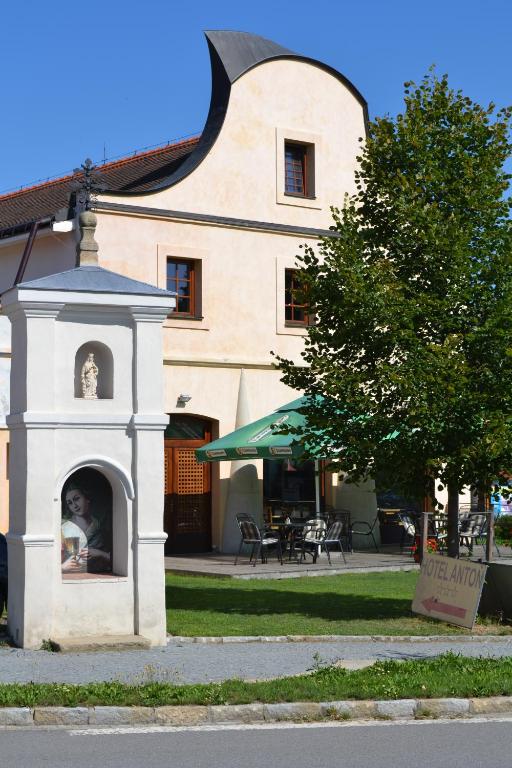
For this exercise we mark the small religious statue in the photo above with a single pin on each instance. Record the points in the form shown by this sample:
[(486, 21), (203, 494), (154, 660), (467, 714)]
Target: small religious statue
[(89, 378)]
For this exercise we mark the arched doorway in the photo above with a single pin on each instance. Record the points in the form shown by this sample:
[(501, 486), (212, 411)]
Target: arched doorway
[(188, 506)]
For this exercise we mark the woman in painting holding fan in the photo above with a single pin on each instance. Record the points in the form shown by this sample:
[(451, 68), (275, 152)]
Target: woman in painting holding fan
[(86, 537)]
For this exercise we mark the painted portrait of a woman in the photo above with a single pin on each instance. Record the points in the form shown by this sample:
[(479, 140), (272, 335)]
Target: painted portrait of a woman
[(86, 529)]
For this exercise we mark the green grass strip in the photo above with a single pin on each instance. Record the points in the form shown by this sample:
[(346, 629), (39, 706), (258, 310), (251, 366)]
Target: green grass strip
[(448, 675), (348, 604)]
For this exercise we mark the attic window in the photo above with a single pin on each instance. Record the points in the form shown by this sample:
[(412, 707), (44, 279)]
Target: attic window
[(299, 169)]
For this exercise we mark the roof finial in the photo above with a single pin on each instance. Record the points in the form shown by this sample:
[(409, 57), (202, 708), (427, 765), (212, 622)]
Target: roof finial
[(87, 247), (89, 182), (87, 185)]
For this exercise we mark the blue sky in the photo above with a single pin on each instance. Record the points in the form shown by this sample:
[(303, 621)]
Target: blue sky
[(81, 79)]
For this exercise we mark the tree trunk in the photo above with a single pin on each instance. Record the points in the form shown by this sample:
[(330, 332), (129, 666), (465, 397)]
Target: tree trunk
[(453, 519)]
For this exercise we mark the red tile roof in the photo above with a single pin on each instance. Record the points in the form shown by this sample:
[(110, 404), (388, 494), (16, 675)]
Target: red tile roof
[(133, 174)]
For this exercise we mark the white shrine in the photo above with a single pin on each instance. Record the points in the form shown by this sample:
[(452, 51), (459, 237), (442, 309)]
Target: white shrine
[(86, 540)]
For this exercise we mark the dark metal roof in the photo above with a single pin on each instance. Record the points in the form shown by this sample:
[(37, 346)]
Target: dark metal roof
[(240, 51), (53, 199), (93, 280)]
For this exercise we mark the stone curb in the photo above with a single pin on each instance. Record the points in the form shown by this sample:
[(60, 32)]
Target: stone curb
[(228, 639), (193, 715)]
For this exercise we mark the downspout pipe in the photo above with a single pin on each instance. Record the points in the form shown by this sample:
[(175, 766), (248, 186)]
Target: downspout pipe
[(26, 253)]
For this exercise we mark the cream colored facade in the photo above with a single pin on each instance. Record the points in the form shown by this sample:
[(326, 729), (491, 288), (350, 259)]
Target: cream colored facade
[(231, 216)]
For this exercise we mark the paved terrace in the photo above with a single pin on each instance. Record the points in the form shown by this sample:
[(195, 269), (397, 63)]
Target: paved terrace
[(366, 561), (215, 564)]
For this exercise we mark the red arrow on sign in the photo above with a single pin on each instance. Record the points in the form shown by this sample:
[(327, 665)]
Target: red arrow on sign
[(433, 604)]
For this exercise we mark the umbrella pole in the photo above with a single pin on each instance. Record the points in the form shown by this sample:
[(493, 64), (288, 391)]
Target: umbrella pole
[(317, 488)]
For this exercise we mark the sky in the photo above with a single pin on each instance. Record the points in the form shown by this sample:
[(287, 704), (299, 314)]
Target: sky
[(107, 78)]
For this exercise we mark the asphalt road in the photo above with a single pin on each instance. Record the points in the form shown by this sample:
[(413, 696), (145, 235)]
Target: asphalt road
[(436, 744), (196, 662)]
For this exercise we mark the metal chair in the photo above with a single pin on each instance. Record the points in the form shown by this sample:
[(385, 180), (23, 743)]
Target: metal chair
[(343, 516), (367, 530), (244, 516), (258, 541), (333, 536), (311, 539), (409, 529), (473, 527)]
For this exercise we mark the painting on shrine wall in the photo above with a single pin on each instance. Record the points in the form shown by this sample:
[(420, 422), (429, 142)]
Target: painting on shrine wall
[(86, 529)]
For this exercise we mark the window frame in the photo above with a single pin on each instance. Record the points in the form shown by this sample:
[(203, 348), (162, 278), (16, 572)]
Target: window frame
[(201, 258), (296, 147), (314, 150), (291, 272), (192, 280)]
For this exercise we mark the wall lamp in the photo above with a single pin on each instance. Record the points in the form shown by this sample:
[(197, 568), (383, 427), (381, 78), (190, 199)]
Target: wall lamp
[(182, 399)]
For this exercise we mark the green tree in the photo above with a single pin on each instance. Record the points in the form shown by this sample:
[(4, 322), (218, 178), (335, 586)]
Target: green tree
[(412, 348)]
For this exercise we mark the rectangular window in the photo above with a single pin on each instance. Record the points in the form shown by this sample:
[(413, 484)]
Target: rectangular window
[(298, 169), (181, 278), (296, 310)]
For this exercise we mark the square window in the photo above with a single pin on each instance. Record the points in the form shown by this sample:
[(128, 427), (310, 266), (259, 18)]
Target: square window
[(181, 278), (296, 311), (299, 169)]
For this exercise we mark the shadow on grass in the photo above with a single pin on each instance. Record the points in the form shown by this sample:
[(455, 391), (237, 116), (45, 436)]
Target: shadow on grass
[(264, 602)]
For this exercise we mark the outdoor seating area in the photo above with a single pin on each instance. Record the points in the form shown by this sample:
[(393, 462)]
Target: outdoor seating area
[(473, 527), (300, 538), (296, 538), (293, 545)]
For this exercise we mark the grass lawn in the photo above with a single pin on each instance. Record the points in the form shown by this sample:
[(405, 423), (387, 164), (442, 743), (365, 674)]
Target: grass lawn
[(351, 604), (445, 676)]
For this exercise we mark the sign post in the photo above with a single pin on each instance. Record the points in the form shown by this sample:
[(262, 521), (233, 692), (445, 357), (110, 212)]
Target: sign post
[(449, 589)]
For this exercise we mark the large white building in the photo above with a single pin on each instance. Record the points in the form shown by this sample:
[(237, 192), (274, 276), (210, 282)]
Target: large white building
[(219, 219)]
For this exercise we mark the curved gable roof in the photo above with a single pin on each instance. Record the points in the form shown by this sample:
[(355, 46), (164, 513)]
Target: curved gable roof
[(232, 54)]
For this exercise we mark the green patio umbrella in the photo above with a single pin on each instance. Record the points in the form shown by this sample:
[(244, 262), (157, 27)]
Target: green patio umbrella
[(261, 438)]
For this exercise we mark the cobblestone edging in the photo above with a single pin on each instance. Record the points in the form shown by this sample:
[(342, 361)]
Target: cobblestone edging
[(180, 640), (254, 713)]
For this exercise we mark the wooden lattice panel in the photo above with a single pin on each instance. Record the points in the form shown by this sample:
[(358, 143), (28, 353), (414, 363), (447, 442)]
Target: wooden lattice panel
[(190, 474)]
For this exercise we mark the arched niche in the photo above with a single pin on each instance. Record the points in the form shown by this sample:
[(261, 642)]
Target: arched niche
[(121, 488), (104, 361), (87, 524)]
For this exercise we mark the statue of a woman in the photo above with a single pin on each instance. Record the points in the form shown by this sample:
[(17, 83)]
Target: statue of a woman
[(89, 378)]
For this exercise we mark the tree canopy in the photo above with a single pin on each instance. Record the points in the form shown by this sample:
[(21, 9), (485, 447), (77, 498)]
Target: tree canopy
[(411, 349)]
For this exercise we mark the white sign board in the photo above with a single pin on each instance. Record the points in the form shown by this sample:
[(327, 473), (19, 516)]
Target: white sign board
[(449, 589)]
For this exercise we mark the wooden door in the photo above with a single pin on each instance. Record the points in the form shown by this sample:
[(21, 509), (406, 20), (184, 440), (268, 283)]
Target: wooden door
[(187, 508)]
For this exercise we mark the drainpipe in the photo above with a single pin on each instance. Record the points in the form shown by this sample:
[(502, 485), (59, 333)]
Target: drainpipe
[(26, 253)]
